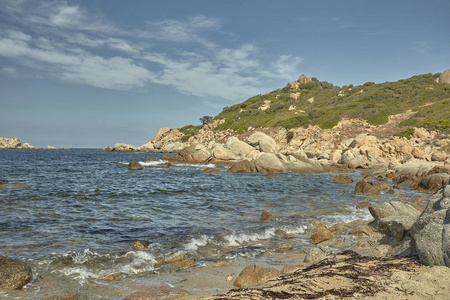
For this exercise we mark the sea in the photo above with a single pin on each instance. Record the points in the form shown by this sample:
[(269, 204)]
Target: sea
[(74, 215)]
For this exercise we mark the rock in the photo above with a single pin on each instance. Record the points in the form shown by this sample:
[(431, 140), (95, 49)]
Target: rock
[(292, 268), (263, 141), (222, 153), (417, 152), (393, 219), (210, 171), (254, 275), (315, 255), (366, 188), (195, 153), (244, 166), (343, 178), (419, 199), (187, 263), (439, 156), (353, 158), (318, 224), (444, 77), (14, 274), (134, 165), (363, 205), (173, 148), (151, 159), (431, 232), (382, 186), (138, 246), (269, 162), (141, 296), (271, 175), (321, 235), (284, 246), (238, 147), (124, 147), (7, 143), (266, 215), (439, 169), (432, 183)]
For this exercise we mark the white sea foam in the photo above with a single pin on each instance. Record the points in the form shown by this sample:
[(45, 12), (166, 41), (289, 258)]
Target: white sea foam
[(235, 240), (140, 261), (195, 243), (150, 163), (86, 266)]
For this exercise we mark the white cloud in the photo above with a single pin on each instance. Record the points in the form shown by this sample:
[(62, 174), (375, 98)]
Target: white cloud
[(9, 70), (66, 42)]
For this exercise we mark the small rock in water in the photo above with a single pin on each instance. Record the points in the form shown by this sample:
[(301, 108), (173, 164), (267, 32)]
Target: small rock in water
[(363, 205), (151, 159), (284, 246), (318, 224), (343, 178), (271, 174), (366, 188), (419, 199), (187, 263), (113, 276), (210, 171), (138, 246), (134, 165), (266, 215)]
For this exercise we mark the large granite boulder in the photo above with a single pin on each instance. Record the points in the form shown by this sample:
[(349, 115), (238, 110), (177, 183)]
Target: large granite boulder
[(173, 147), (263, 141), (393, 219), (195, 153), (239, 147), (433, 182), (222, 153), (431, 232), (244, 166), (269, 162), (14, 274), (354, 158), (366, 188)]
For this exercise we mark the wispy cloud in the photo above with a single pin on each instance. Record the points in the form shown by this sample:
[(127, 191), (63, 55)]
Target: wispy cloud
[(66, 42)]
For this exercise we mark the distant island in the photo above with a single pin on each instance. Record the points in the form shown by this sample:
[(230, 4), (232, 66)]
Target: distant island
[(15, 143)]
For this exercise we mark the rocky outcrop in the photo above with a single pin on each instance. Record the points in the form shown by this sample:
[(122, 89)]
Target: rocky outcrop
[(366, 188), (14, 274), (431, 232), (268, 162), (263, 142), (15, 143), (244, 166), (196, 153), (444, 77), (433, 183), (393, 219)]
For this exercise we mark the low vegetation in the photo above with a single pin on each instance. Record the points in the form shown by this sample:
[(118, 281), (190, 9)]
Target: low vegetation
[(323, 104)]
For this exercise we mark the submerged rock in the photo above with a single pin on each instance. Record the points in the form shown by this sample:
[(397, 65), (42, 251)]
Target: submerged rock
[(366, 188), (14, 274), (343, 178), (244, 166)]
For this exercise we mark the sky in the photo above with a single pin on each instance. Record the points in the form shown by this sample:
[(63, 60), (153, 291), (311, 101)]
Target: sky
[(92, 73)]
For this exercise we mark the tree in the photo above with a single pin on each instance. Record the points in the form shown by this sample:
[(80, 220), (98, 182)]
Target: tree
[(205, 119)]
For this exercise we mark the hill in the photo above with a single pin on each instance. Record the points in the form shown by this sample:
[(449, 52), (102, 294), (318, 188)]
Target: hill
[(309, 101)]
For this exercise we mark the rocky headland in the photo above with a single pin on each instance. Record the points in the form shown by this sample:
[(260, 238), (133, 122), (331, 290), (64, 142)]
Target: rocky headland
[(15, 143)]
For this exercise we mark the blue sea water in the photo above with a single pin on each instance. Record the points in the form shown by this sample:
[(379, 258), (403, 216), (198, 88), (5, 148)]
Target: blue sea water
[(81, 205)]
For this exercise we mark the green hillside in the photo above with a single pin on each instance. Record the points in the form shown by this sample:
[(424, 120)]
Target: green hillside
[(323, 104)]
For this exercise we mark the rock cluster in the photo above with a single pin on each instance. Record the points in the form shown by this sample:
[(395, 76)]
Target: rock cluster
[(15, 143)]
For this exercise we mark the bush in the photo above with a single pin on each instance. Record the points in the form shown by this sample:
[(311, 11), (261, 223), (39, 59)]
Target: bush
[(289, 136)]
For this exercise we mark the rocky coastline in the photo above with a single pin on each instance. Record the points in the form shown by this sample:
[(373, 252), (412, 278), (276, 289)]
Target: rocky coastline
[(15, 143)]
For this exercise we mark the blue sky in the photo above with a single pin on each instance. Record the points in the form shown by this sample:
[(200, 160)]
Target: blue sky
[(93, 73)]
